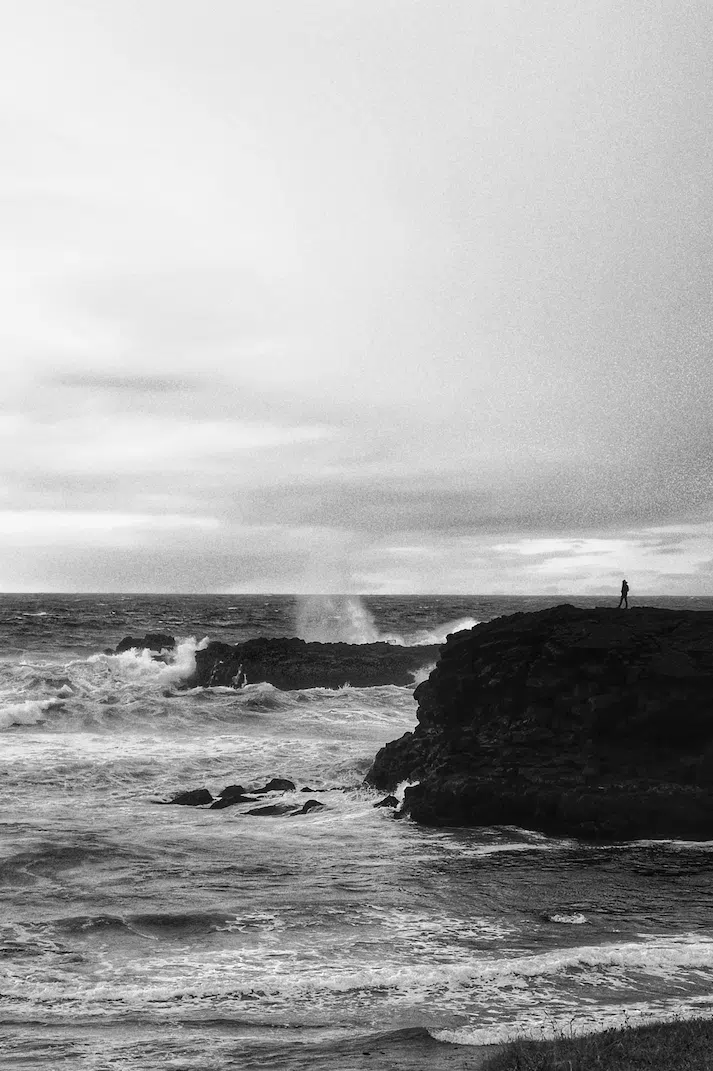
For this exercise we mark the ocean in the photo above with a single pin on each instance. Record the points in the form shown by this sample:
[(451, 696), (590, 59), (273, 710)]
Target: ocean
[(136, 936)]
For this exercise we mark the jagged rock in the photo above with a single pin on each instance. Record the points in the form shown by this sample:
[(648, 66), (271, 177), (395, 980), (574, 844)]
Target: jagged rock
[(196, 797), (277, 784), (296, 664), (593, 723), (152, 641), (388, 801)]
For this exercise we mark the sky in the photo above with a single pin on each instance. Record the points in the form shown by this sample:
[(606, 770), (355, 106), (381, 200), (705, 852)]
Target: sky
[(356, 296)]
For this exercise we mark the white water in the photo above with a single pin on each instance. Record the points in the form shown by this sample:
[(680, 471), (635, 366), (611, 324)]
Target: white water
[(347, 619)]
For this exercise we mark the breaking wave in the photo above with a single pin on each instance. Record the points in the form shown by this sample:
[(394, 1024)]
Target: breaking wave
[(27, 711), (134, 688)]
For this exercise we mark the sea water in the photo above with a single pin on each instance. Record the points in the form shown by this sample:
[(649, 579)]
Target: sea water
[(135, 935)]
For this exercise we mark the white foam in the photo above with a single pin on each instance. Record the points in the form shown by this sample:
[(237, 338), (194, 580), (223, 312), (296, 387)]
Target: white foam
[(141, 664), (523, 994), (28, 712)]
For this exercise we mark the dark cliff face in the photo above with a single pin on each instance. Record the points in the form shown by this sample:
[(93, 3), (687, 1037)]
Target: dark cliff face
[(594, 723), (293, 663)]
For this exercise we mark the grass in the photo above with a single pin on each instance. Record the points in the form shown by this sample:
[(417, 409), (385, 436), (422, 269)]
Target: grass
[(676, 1046)]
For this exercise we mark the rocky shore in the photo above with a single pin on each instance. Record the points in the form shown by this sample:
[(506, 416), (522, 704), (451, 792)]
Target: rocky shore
[(590, 723), (294, 663)]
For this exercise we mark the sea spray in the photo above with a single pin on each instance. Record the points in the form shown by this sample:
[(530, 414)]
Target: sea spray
[(335, 619), (347, 619)]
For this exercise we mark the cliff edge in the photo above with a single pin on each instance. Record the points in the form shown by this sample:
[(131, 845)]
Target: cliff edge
[(590, 723)]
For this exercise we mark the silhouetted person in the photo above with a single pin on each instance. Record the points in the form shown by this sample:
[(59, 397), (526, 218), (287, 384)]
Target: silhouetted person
[(624, 596)]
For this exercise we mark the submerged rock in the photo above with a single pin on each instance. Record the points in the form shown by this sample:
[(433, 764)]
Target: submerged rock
[(592, 723), (296, 664), (388, 801)]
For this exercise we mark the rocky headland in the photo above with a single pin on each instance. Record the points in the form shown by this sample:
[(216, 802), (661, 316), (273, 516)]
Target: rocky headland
[(594, 723)]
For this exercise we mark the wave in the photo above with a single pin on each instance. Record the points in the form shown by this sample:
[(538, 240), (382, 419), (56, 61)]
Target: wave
[(27, 711), (347, 619), (522, 993), (82, 689), (106, 692)]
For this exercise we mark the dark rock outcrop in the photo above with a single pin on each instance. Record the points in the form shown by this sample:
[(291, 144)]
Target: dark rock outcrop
[(293, 663), (276, 784), (388, 801), (152, 641), (592, 723), (196, 797), (233, 791)]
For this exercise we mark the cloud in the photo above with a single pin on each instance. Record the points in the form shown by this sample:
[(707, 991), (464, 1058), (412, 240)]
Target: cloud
[(431, 286), (134, 384)]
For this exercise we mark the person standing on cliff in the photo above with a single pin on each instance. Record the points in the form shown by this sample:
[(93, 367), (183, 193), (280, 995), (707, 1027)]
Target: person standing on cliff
[(624, 596)]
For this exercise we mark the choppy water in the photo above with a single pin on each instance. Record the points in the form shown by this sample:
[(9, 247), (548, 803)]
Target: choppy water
[(135, 935)]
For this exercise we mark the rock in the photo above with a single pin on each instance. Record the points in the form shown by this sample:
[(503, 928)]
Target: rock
[(273, 809), (309, 805), (231, 795), (152, 641), (233, 790), (388, 801), (592, 723), (230, 801), (278, 784), (196, 797), (295, 664)]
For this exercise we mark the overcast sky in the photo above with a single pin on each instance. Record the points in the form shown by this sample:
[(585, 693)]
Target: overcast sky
[(356, 295)]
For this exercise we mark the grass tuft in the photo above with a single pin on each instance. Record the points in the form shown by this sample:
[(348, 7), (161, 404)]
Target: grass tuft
[(677, 1046)]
